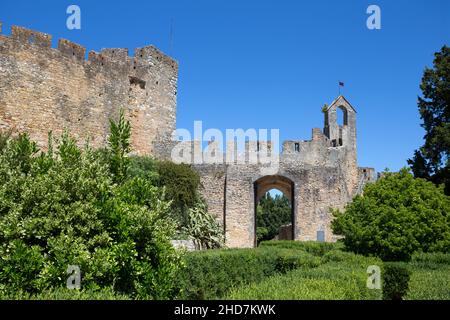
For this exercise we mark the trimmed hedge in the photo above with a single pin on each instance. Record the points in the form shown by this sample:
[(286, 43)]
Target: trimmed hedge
[(66, 294), (341, 276), (211, 274), (396, 277), (430, 277), (313, 247)]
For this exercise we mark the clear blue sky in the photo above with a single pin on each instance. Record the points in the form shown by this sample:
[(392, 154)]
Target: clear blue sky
[(273, 64)]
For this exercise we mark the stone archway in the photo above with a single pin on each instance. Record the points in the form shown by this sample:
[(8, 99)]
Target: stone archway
[(264, 184)]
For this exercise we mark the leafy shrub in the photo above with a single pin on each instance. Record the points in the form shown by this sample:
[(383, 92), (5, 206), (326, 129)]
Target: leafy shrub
[(396, 217), (431, 258), (4, 138), (66, 294), (430, 277), (74, 206), (293, 287), (342, 280), (395, 280), (181, 183), (144, 167), (312, 247), (188, 210), (203, 228), (211, 274), (119, 146), (288, 259)]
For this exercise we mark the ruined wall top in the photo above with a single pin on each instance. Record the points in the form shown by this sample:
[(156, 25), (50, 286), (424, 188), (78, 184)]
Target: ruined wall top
[(107, 58)]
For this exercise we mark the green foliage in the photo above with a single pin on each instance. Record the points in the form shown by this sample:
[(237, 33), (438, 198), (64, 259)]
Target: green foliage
[(396, 217), (66, 294), (338, 276), (211, 274), (203, 228), (271, 214), (4, 137), (64, 207), (189, 212), (295, 286), (342, 275), (430, 277), (312, 247), (288, 259), (119, 146), (180, 181), (395, 280), (144, 167), (432, 160), (182, 184)]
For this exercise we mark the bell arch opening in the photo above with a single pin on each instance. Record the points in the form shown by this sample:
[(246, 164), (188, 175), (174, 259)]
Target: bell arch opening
[(274, 209), (342, 116)]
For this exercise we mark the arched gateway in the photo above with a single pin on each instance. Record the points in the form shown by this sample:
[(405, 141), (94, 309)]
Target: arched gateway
[(285, 186)]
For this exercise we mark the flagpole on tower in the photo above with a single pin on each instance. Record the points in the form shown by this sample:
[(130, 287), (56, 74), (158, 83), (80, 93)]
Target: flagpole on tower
[(340, 84)]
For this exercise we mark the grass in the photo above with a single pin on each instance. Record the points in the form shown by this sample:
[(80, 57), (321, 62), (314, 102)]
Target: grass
[(282, 270), (430, 277)]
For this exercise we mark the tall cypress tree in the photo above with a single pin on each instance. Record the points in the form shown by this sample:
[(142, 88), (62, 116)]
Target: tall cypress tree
[(432, 160)]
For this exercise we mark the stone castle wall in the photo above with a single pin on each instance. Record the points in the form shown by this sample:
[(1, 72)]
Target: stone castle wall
[(316, 175), (44, 88)]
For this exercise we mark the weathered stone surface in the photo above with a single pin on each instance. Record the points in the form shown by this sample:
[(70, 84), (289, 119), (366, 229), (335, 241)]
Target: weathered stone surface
[(284, 233), (43, 89)]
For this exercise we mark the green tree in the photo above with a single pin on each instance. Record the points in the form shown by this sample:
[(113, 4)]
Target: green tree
[(395, 217), (144, 167), (271, 214), (181, 183), (432, 160)]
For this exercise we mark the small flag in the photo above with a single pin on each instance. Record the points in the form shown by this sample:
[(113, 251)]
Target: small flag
[(341, 84)]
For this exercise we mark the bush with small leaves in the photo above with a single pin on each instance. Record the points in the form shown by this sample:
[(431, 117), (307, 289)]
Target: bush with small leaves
[(395, 217), (395, 280), (76, 206)]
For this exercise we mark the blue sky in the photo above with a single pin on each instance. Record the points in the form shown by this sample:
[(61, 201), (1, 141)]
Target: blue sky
[(273, 64)]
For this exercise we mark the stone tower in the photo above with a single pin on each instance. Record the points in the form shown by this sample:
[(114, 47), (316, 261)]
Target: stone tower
[(46, 89), (343, 135)]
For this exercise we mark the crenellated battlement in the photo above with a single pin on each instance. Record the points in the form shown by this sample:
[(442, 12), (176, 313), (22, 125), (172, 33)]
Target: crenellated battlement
[(25, 35), (107, 57), (118, 54), (44, 88), (71, 49)]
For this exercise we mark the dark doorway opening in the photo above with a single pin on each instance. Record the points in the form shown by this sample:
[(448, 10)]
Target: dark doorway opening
[(274, 209)]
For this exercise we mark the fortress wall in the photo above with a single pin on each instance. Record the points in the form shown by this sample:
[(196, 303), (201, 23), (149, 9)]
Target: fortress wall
[(240, 210), (213, 184), (317, 190), (44, 88)]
